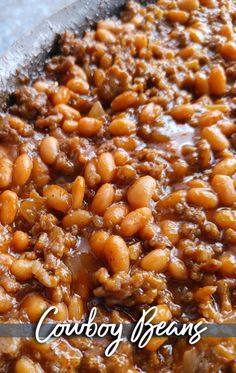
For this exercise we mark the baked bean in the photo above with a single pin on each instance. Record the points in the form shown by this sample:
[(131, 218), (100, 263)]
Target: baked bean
[(178, 269), (76, 70), (105, 36), (22, 269), (188, 5), (62, 96), (223, 108), (216, 138), (149, 113), (193, 64), (186, 52), (68, 112), (117, 254), (230, 236), (177, 16), (6, 303), (121, 127), (225, 167), (106, 167), (134, 221), (227, 127), (201, 83), (57, 198), (69, 125), (148, 232), (17, 123), (228, 50), (78, 85), (6, 168), (126, 143), (26, 365), (103, 199), (97, 242), (126, 173), (29, 210), (182, 112), (124, 100), (90, 173), (34, 305), (180, 168), (49, 149), (62, 313), (225, 219), (204, 154), (40, 86), (20, 241), (140, 193), (78, 190), (209, 3), (105, 61), (172, 199), (121, 157), (79, 218), (89, 127), (227, 31), (22, 169), (202, 197), (140, 41), (98, 77), (107, 24), (224, 187), (40, 172), (217, 81), (228, 267), (157, 260), (155, 343), (9, 205), (163, 313), (204, 294), (171, 230), (76, 308), (114, 215), (197, 183), (209, 118)]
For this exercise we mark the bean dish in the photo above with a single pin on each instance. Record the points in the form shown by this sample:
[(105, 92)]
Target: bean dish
[(117, 179)]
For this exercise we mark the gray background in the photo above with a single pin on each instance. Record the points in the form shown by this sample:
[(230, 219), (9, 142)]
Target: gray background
[(20, 16)]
